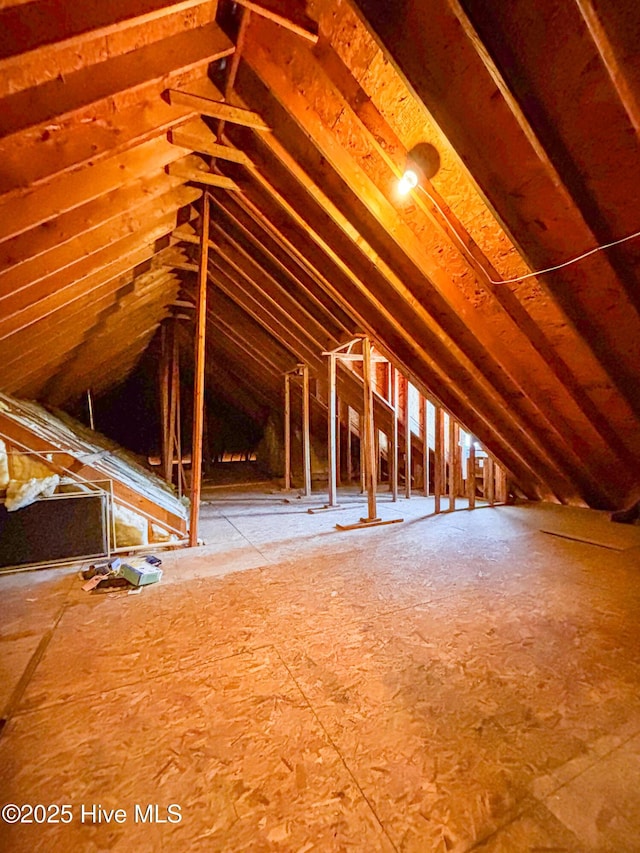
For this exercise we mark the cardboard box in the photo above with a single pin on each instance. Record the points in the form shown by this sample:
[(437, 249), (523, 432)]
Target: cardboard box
[(141, 573)]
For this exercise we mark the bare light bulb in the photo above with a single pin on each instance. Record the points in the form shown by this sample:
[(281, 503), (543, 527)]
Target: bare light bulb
[(407, 182)]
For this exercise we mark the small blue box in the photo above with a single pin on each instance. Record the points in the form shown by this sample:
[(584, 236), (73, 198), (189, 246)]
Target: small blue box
[(141, 574)]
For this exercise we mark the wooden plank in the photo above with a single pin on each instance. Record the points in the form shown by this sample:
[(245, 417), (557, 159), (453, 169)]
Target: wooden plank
[(217, 109), (617, 67), (163, 383), (367, 434), (332, 423), (114, 85), (197, 136), (424, 408), (293, 21), (287, 431), (29, 305), (438, 471), (306, 434), (250, 263), (490, 480), (94, 214), (564, 466), (67, 192), (452, 464), (62, 58), (28, 27), (199, 373), (376, 522), (423, 53), (471, 475), (394, 438), (18, 282), (68, 147), (196, 170), (349, 448), (407, 440)]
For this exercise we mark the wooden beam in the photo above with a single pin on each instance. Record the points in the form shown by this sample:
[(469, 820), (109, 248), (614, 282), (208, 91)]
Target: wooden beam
[(198, 384), (18, 282), (332, 422), (471, 135), (439, 461), (471, 474), (306, 436), (197, 136), (407, 440), (500, 374), (394, 439), (94, 214), (287, 431), (217, 109), (66, 192), (424, 416), (30, 26), (194, 169), (117, 82), (69, 147), (367, 434), (617, 67), (290, 20)]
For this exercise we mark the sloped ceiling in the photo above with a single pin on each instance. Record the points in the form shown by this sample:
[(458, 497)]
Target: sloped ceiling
[(111, 127)]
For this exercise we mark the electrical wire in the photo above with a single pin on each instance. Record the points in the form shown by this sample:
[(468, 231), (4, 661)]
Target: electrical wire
[(529, 274)]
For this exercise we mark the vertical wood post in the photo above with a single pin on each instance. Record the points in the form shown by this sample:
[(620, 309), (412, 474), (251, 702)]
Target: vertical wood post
[(394, 436), (368, 432), (339, 454), (331, 423), (178, 423), (407, 441), (306, 442), (348, 448), (471, 475), (198, 385), (490, 469), (287, 431), (363, 483), (172, 405), (425, 445), (452, 464), (164, 397), (438, 471)]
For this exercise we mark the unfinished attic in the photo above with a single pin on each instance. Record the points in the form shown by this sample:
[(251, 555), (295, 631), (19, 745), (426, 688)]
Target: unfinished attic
[(320, 425)]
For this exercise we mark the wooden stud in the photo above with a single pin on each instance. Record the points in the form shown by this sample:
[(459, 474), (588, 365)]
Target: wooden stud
[(339, 437), (331, 428), (407, 441), (369, 453), (217, 109), (306, 438), (452, 464), (199, 366), (349, 448), (424, 409), (439, 461), (471, 475), (168, 471), (490, 488), (163, 378), (287, 432), (393, 468)]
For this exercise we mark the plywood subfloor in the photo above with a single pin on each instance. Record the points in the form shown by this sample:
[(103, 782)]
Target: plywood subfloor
[(456, 682)]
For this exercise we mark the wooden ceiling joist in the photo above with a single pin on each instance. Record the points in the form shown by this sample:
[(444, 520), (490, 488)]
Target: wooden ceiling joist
[(217, 109)]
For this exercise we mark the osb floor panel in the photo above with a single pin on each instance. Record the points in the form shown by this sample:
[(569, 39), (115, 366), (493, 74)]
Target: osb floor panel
[(456, 682)]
